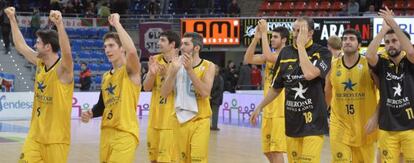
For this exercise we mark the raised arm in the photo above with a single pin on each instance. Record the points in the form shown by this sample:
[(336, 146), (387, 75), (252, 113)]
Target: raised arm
[(267, 53), (18, 39), (133, 65), (405, 42), (249, 56), (309, 70), (372, 50), (65, 70)]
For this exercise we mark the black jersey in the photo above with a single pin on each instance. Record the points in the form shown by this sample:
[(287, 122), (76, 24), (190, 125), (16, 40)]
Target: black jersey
[(396, 93), (305, 106)]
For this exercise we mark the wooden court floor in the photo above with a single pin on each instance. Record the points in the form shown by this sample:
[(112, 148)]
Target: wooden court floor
[(236, 142)]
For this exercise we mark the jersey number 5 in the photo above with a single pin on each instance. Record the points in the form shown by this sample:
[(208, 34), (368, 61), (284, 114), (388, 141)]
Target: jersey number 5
[(350, 109)]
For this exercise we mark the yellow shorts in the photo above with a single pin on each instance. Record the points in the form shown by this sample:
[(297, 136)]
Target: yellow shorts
[(192, 139), (273, 135), (161, 146), (36, 152), (391, 143), (117, 146), (341, 152), (304, 149)]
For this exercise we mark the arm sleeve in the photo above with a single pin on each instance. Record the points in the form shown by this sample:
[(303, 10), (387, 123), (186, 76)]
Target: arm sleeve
[(377, 67), (99, 107), (324, 61)]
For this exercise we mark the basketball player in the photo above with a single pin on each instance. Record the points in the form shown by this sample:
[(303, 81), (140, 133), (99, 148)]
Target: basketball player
[(119, 96), (48, 139), (193, 135), (335, 46), (351, 92), (273, 136), (395, 69), (162, 121), (301, 70)]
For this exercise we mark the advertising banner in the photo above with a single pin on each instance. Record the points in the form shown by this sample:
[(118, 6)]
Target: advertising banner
[(215, 31), (406, 24), (249, 27), (149, 33), (18, 105), (326, 27), (24, 21)]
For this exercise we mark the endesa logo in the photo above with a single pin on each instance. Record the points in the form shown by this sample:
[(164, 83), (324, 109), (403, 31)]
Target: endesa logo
[(214, 31), (4, 104)]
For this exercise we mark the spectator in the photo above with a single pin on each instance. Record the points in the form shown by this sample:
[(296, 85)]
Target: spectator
[(233, 9), (152, 8), (216, 98), (85, 77), (371, 11), (335, 46), (104, 11), (245, 77), (256, 77), (35, 22), (230, 76), (353, 8), (5, 30)]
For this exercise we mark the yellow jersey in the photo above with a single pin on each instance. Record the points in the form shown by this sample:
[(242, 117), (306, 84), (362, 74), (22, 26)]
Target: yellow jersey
[(276, 107), (52, 106), (353, 102), (203, 104), (120, 96), (162, 112)]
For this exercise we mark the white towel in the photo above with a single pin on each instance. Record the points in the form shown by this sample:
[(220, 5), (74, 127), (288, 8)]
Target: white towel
[(185, 100)]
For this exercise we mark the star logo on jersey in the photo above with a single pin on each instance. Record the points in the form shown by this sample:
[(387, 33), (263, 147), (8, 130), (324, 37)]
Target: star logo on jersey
[(397, 90), (111, 89), (40, 86), (300, 91), (348, 85)]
